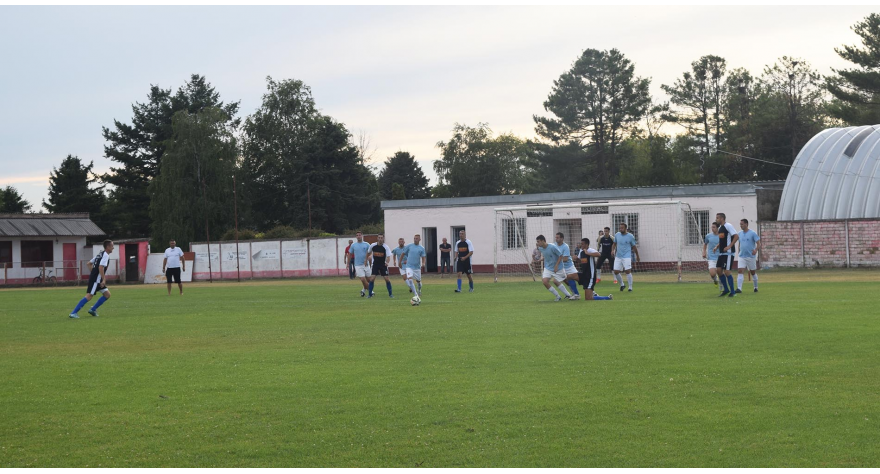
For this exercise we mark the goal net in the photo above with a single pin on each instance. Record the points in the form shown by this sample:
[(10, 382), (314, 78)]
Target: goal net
[(669, 237)]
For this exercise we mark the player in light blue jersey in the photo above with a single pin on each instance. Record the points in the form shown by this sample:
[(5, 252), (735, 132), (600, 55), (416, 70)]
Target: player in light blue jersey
[(397, 255), (749, 244), (710, 253), (358, 252), (623, 249), (566, 265), (414, 255), (552, 257)]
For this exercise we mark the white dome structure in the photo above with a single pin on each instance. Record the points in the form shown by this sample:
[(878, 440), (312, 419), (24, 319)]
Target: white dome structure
[(835, 176)]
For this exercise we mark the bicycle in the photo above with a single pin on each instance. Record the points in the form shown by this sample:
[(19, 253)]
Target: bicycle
[(42, 276)]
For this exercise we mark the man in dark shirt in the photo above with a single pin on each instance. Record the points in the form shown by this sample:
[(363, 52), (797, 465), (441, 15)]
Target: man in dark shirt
[(605, 244), (445, 260)]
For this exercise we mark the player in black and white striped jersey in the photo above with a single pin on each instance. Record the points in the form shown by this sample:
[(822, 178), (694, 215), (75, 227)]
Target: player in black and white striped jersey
[(589, 273), (97, 281)]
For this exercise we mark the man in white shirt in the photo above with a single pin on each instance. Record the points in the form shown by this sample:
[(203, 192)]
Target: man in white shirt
[(174, 259)]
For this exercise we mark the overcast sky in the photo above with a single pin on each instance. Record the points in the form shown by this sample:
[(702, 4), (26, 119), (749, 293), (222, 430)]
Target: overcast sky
[(401, 75)]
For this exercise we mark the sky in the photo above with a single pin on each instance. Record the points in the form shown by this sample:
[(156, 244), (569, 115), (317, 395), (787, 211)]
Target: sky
[(402, 76)]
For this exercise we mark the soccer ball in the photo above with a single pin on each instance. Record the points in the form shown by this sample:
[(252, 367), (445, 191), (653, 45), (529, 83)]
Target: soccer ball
[(415, 301)]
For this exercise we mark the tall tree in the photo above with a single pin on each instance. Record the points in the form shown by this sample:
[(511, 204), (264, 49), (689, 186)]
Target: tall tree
[(11, 201), (857, 90), (71, 190), (797, 86), (596, 104), (139, 147), (296, 159), (699, 96), (402, 168), (194, 185), (474, 163)]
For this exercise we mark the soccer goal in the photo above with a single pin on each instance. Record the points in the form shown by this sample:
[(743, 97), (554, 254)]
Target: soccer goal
[(669, 236)]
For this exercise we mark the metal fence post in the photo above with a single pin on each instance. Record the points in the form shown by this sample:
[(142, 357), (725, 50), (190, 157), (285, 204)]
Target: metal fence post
[(846, 234), (803, 254)]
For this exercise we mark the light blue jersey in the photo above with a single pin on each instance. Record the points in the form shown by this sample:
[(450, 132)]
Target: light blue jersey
[(625, 243), (413, 254), (398, 252), (551, 254), (711, 241), (748, 241), (360, 250), (566, 252)]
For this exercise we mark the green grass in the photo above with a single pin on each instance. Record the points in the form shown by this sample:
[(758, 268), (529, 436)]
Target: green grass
[(306, 373)]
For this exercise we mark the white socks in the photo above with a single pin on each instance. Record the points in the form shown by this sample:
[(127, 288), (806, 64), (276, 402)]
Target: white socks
[(629, 279), (755, 280), (563, 289), (553, 290), (739, 281)]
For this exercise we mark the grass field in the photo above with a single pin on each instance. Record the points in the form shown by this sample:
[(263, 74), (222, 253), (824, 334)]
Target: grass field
[(307, 373)]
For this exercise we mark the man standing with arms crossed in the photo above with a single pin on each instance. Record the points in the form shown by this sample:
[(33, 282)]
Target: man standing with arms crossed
[(605, 242), (749, 244), (465, 250), (173, 259), (726, 247), (445, 261)]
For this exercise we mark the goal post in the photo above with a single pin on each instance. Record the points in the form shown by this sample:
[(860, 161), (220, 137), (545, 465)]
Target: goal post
[(669, 236)]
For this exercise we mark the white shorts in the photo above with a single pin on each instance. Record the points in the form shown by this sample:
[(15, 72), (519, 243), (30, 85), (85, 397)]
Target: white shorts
[(414, 274), (570, 270), (402, 271), (360, 271), (748, 262), (712, 263), (621, 264), (558, 276)]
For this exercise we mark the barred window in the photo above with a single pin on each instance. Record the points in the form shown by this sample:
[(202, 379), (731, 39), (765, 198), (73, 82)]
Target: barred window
[(630, 219), (570, 228), (594, 210), (696, 226), (514, 233)]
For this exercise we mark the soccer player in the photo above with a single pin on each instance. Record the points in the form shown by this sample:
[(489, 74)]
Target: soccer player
[(97, 281), (463, 261), (589, 273), (357, 253), (173, 259), (623, 248), (566, 264), (415, 257), (710, 242), (551, 255), (445, 259), (349, 263), (749, 244), (397, 255), (727, 238), (606, 242), (381, 255)]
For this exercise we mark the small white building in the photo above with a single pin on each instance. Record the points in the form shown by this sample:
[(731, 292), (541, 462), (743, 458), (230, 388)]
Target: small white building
[(31, 244), (589, 212)]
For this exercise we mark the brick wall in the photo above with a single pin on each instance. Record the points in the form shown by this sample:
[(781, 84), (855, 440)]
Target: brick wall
[(820, 243)]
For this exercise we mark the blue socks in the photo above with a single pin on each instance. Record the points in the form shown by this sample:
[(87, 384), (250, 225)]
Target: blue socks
[(459, 284), (471, 284), (79, 305), (723, 282), (730, 283), (388, 285), (573, 286), (371, 288), (99, 303)]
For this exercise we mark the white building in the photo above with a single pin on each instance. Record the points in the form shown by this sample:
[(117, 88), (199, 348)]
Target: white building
[(31, 244), (590, 211)]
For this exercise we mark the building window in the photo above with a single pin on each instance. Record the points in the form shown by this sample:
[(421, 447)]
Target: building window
[(594, 210), (5, 253), (35, 252), (570, 228), (514, 233), (630, 219), (696, 226), (540, 213)]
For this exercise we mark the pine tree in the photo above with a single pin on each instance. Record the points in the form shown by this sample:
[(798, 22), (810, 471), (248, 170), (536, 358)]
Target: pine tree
[(71, 190)]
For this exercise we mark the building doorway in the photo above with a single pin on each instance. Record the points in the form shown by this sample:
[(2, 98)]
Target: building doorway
[(430, 244)]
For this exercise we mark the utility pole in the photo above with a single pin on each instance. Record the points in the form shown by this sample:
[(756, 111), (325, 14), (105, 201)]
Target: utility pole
[(207, 235), (235, 206), (309, 199)]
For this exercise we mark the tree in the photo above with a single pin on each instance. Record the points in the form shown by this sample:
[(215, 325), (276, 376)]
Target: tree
[(398, 193), (474, 163), (139, 148), (12, 202), (857, 90), (70, 190), (296, 159), (596, 104), (194, 185), (796, 84), (402, 168)]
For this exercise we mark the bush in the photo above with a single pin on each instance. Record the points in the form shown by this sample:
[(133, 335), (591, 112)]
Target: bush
[(375, 228), (243, 234), (282, 232)]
